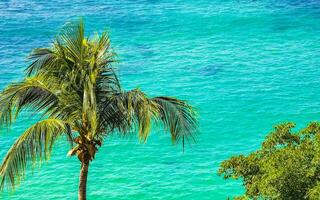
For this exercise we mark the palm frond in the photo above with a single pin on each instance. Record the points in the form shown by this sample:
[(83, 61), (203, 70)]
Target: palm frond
[(43, 58), (35, 144), (74, 42), (40, 94), (107, 85), (178, 117), (30, 92), (103, 52), (127, 109)]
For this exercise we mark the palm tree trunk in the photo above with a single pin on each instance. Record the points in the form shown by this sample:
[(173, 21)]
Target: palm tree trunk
[(82, 193)]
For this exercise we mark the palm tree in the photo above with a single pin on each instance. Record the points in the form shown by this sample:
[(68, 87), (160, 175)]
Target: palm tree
[(73, 86)]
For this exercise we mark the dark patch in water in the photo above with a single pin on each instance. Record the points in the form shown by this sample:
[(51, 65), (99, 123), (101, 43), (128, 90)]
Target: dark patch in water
[(145, 50), (282, 27), (132, 70), (168, 162), (287, 4), (210, 70)]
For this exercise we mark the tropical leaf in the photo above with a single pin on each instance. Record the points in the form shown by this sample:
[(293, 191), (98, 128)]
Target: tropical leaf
[(29, 93), (35, 144), (127, 109), (178, 117), (42, 58), (40, 95)]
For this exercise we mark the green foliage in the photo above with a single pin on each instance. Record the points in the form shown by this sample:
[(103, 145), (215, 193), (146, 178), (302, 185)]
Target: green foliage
[(34, 144), (287, 167), (74, 86)]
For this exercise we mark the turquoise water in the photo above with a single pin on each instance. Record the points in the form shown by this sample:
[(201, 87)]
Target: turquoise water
[(245, 65)]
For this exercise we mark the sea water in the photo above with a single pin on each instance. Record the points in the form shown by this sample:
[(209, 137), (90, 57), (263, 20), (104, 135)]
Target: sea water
[(244, 65)]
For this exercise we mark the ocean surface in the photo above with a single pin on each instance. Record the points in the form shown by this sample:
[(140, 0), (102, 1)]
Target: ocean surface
[(245, 65)]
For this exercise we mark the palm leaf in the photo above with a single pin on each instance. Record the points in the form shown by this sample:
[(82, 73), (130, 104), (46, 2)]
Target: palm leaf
[(35, 144), (41, 94), (178, 117), (31, 92), (125, 109), (42, 58)]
